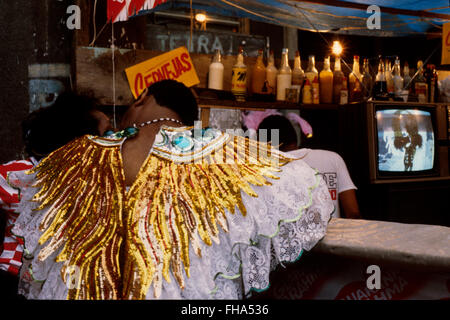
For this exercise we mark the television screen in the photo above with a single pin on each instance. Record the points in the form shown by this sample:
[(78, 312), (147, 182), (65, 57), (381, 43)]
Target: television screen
[(405, 140)]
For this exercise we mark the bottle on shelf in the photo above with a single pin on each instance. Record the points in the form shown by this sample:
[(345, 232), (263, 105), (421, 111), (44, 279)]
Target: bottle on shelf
[(284, 77), (315, 90), (420, 84), (307, 93), (389, 77), (432, 82), (298, 75), (215, 78), (271, 74), (338, 78), (311, 71), (367, 80), (436, 92), (407, 77), (239, 77), (326, 82), (380, 87), (344, 92), (354, 82), (398, 79), (259, 75)]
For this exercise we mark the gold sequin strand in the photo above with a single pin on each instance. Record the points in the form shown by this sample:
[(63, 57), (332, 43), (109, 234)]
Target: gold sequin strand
[(84, 216), (172, 205)]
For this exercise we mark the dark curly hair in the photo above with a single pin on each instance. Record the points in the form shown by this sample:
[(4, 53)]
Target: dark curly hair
[(48, 129), (287, 134), (177, 97)]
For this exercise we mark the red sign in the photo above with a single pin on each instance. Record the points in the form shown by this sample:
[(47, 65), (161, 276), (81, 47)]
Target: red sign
[(121, 10)]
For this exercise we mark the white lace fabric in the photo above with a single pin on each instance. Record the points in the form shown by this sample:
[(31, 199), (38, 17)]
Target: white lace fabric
[(286, 218)]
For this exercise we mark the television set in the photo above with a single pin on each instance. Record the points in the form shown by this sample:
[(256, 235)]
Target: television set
[(407, 141)]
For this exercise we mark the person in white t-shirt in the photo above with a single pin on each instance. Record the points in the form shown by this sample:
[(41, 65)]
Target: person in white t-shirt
[(329, 164)]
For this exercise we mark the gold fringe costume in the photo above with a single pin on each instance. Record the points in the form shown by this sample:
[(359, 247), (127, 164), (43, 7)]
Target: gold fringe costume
[(122, 241)]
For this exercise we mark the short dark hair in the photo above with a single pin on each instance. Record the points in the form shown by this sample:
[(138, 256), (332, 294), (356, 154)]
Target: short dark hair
[(49, 128), (286, 130), (177, 97)]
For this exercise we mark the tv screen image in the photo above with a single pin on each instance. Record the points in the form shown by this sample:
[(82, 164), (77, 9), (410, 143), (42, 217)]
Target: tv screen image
[(405, 140)]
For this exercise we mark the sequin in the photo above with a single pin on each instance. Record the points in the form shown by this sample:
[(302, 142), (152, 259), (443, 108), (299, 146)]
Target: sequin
[(123, 243)]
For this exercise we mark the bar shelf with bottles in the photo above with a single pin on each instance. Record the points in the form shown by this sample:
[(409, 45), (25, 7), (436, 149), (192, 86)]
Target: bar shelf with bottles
[(294, 88)]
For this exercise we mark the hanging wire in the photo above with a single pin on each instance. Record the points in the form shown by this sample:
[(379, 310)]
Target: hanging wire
[(252, 12), (351, 70), (329, 45), (191, 25), (424, 63), (93, 21), (95, 37), (113, 74)]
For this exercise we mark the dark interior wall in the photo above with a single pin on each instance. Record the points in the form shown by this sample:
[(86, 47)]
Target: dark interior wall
[(32, 32), (273, 32), (17, 46)]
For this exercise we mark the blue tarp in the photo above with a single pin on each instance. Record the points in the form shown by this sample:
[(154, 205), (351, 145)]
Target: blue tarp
[(324, 18)]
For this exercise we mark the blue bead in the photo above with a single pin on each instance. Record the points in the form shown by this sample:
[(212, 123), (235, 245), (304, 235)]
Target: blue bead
[(183, 143), (130, 131)]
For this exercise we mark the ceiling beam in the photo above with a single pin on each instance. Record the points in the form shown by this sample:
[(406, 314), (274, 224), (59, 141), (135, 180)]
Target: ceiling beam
[(361, 6)]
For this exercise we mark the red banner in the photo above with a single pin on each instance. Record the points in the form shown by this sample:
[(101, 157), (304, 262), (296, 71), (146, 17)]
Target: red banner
[(121, 10)]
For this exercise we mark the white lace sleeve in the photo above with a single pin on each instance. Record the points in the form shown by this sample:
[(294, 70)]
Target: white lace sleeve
[(38, 279), (286, 218)]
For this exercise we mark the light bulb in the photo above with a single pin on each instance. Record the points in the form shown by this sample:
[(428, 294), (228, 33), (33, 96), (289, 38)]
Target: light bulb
[(200, 17), (337, 48)]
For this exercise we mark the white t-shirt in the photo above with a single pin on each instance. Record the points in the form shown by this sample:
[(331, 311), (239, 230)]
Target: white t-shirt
[(332, 168)]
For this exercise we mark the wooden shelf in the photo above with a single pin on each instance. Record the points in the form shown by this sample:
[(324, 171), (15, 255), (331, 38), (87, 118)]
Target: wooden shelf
[(261, 105)]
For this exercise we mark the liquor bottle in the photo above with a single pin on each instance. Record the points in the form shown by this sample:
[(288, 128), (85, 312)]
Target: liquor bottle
[(315, 91), (259, 75), (380, 87), (298, 75), (398, 80), (420, 84), (389, 77), (338, 78), (307, 93), (407, 77), (284, 77), (367, 80), (326, 82), (271, 74), (431, 82), (344, 92), (239, 77), (215, 78), (436, 86), (311, 71), (354, 82)]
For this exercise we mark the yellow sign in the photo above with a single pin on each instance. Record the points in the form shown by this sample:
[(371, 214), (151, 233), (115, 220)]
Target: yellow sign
[(446, 43), (175, 65)]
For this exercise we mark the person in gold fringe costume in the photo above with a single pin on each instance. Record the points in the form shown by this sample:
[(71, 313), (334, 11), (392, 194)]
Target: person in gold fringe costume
[(167, 210)]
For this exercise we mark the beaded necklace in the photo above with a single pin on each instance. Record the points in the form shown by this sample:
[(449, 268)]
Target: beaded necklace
[(130, 132)]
